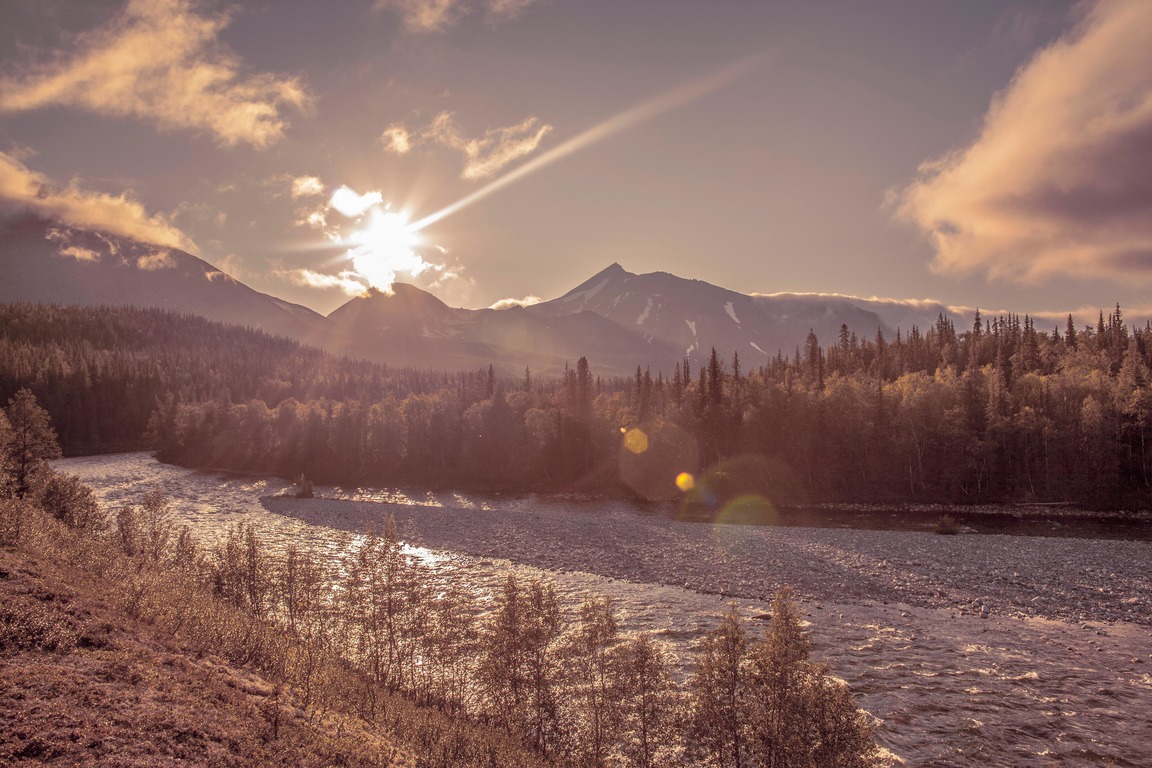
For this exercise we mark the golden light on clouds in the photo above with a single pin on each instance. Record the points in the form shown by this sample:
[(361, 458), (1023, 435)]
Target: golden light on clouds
[(160, 60), (306, 186), (345, 281), (348, 202), (396, 138), (1057, 181), (527, 301), (484, 155), (115, 214)]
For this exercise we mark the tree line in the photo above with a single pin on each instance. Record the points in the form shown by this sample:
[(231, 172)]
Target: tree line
[(570, 686), (1000, 412)]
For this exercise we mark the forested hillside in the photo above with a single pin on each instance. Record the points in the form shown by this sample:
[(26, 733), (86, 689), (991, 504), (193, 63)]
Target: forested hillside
[(996, 413)]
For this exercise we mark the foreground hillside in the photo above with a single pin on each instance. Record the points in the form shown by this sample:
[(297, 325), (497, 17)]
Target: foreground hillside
[(118, 661), (83, 682)]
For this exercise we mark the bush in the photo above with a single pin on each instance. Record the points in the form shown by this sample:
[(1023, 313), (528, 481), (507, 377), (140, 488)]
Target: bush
[(71, 502), (947, 526)]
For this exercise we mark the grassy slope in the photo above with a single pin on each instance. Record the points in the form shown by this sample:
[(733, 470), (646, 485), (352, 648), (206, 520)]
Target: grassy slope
[(83, 683)]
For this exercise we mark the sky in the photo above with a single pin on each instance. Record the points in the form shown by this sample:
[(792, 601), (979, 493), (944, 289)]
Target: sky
[(986, 153)]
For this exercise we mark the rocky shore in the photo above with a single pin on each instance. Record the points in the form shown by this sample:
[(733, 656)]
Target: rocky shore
[(1057, 578)]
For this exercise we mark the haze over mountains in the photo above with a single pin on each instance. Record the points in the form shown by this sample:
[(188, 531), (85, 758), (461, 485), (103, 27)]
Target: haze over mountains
[(616, 319)]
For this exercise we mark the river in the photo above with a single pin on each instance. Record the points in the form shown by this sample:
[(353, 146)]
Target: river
[(970, 650)]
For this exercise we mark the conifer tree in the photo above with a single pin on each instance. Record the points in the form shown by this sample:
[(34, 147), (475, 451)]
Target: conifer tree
[(31, 441)]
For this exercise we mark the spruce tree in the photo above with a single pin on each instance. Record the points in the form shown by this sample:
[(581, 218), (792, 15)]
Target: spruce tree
[(31, 441)]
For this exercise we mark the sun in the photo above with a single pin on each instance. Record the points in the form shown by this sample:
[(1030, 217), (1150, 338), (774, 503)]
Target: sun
[(383, 246), (386, 232)]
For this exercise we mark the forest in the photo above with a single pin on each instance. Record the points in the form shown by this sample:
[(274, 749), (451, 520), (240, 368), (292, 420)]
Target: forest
[(1000, 412)]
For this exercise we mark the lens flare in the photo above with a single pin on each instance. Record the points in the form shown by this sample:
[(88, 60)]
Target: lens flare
[(636, 441), (685, 482)]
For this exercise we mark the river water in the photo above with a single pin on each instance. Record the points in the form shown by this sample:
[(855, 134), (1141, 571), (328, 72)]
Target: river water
[(973, 650)]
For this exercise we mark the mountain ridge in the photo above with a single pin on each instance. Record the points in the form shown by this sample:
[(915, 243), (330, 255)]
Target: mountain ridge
[(615, 318)]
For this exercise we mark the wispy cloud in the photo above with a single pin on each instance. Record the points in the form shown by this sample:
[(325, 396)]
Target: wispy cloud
[(507, 9), (79, 253), (485, 155), (347, 282), (160, 60), (306, 186), (1057, 183), (28, 190), (150, 262), (438, 15), (527, 301), (396, 138)]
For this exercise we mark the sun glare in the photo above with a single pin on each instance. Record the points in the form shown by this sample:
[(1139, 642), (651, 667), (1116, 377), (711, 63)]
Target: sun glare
[(384, 246)]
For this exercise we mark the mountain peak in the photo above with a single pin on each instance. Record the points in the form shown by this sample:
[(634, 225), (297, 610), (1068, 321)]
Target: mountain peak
[(614, 273), (613, 270)]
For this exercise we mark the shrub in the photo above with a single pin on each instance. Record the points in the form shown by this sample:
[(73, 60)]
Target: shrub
[(71, 502), (947, 526)]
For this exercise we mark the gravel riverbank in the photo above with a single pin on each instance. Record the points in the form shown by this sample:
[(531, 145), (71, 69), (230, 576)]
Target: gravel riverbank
[(1056, 578)]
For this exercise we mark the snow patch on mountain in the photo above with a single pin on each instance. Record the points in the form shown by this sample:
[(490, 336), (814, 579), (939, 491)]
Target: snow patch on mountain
[(644, 315), (588, 294), (757, 348), (731, 310)]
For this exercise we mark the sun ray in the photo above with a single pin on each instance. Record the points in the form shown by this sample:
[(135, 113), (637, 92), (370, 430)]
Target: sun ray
[(646, 110)]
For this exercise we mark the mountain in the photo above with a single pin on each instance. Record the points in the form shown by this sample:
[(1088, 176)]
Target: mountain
[(51, 263), (616, 319), (412, 327), (693, 316)]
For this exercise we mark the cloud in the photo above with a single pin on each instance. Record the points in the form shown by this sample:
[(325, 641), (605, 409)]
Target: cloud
[(351, 204), (438, 15), (1059, 182), (316, 219), (150, 262), (818, 296), (484, 156), (159, 60), (527, 301), (426, 15), (232, 265), (396, 138), (348, 282), (508, 9), (79, 253), (306, 186), (115, 214)]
